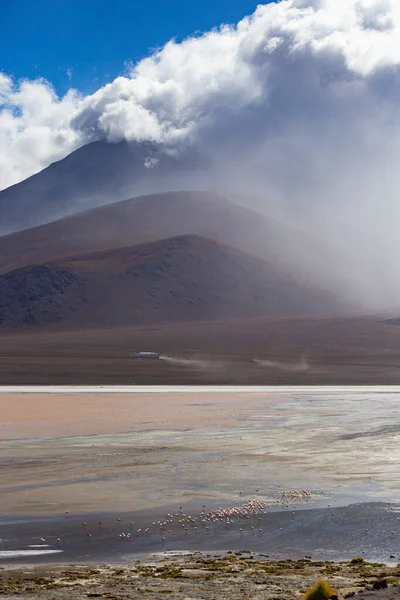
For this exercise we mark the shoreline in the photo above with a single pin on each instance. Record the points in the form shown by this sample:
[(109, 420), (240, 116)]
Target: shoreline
[(184, 388)]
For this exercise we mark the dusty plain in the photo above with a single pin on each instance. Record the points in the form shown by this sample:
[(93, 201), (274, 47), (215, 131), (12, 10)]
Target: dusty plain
[(296, 351)]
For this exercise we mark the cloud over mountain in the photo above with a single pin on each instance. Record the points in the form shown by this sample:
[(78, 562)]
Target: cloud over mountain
[(294, 78)]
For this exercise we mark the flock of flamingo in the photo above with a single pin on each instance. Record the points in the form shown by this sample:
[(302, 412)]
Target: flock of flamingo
[(227, 516)]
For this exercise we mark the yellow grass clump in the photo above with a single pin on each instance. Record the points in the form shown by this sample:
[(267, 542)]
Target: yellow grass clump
[(320, 591)]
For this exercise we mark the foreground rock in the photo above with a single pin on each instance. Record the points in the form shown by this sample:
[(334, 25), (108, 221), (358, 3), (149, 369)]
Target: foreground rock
[(199, 577)]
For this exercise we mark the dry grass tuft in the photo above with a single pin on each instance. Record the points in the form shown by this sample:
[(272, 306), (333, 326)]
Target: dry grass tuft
[(320, 591)]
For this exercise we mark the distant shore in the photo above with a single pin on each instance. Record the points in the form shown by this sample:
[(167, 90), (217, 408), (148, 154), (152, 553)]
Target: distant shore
[(293, 351), (40, 412)]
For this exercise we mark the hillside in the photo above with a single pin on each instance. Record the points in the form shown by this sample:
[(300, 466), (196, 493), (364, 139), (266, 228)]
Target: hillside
[(186, 278), (77, 205), (143, 219), (170, 214)]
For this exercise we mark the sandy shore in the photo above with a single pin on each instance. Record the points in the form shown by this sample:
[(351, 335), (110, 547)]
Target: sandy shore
[(198, 576)]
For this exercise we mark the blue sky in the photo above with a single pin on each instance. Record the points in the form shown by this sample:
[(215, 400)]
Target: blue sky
[(84, 43)]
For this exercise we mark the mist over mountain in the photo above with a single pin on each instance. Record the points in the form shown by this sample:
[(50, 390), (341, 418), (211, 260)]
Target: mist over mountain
[(152, 217), (217, 197), (296, 105), (53, 211), (157, 216)]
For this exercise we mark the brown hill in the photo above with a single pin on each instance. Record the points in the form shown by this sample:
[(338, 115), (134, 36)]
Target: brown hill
[(160, 216), (187, 278), (144, 219)]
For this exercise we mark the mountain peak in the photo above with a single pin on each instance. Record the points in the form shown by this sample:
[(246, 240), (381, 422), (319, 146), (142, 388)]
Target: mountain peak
[(94, 175)]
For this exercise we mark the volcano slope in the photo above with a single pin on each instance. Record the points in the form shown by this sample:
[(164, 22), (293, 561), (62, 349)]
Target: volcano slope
[(96, 174), (154, 217), (185, 278)]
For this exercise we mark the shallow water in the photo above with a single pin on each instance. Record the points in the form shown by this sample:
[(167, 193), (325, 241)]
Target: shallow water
[(370, 530)]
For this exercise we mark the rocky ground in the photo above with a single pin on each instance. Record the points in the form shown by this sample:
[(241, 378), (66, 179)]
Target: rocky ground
[(197, 576)]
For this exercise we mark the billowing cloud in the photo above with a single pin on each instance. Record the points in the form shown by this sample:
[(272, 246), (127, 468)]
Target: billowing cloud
[(307, 63), (298, 102), (35, 127)]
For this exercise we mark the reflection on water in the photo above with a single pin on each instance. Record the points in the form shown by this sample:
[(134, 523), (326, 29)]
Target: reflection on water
[(343, 442)]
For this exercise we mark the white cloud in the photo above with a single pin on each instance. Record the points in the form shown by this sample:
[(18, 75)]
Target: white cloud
[(35, 127), (291, 48)]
